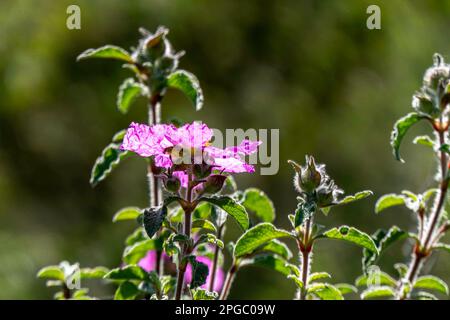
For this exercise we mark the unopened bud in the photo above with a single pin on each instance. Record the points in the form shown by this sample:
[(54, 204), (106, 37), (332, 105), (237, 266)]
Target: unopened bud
[(172, 184), (214, 183)]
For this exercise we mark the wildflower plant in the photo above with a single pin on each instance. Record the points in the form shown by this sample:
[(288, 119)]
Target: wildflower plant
[(318, 193), (176, 252), (431, 105)]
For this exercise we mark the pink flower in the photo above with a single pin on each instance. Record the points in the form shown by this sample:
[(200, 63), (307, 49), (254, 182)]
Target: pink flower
[(148, 263), (218, 280), (164, 141)]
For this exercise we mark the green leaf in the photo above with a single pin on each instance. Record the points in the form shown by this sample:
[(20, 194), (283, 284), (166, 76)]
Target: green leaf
[(203, 224), (128, 213), (51, 272), (294, 269), (324, 291), (268, 261), (134, 253), (258, 202), (153, 219), (353, 235), (318, 276), (108, 52), (109, 159), (357, 196), (278, 248), (202, 211), (442, 246), (211, 238), (377, 278), (187, 83), (129, 90), (199, 272), (378, 292), (346, 288), (422, 295), (231, 207), (389, 200), (257, 236), (203, 294), (126, 291), (303, 212), (382, 240), (130, 272), (298, 282), (400, 129), (401, 269), (137, 236), (431, 283), (93, 273), (424, 140)]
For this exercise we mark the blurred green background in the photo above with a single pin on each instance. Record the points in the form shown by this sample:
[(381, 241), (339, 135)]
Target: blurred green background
[(309, 68)]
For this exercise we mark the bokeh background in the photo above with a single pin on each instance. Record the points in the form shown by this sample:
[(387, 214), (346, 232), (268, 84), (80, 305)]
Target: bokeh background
[(309, 68)]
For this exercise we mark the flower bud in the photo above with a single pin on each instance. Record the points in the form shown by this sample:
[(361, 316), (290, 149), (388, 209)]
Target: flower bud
[(201, 171), (423, 103), (324, 196), (172, 184), (438, 74), (307, 178), (214, 183)]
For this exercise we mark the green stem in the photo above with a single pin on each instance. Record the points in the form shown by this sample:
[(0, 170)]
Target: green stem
[(228, 281), (305, 248), (215, 261), (186, 249), (423, 249)]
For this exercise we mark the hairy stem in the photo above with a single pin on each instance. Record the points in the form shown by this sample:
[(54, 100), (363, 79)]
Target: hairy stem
[(215, 261), (186, 249), (228, 281), (305, 249), (423, 249), (155, 192)]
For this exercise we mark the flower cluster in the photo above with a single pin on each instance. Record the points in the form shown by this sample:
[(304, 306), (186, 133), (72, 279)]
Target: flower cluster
[(314, 184), (179, 152)]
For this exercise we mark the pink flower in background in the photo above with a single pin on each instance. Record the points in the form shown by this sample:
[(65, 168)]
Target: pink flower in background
[(160, 140), (218, 281), (148, 263)]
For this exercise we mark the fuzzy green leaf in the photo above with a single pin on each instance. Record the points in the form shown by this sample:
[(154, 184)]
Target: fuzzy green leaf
[(187, 83), (378, 278), (376, 292), (303, 212), (126, 291), (268, 261), (107, 52), (199, 272), (109, 159), (357, 196), (128, 213), (203, 224), (318, 276), (431, 283), (130, 272), (93, 273), (153, 219), (134, 253), (203, 294), (346, 288), (424, 140), (278, 248), (353, 235), (389, 200), (324, 291), (257, 236), (442, 246), (230, 206), (400, 129), (129, 90), (258, 202), (51, 272), (422, 295)]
